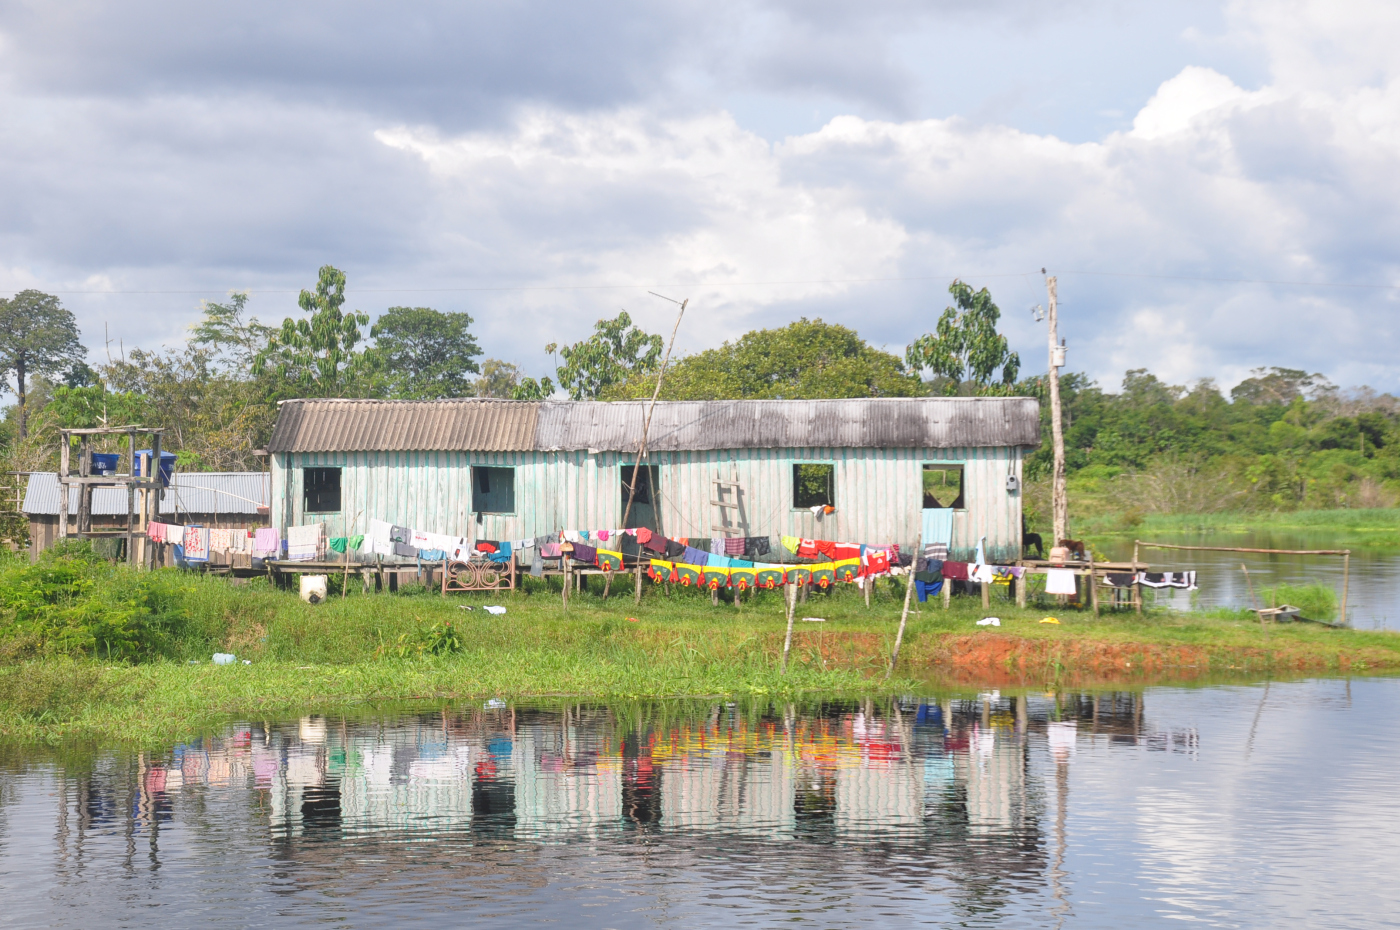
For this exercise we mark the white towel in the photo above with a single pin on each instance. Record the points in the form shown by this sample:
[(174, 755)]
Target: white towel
[(1059, 581), (304, 542)]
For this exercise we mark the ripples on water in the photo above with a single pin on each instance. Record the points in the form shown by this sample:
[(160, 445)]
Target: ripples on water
[(1229, 806)]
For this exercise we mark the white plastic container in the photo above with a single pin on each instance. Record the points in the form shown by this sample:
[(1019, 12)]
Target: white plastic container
[(313, 588), (223, 658)]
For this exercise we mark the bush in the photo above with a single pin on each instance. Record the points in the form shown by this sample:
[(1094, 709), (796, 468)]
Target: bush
[(71, 602), (1317, 601)]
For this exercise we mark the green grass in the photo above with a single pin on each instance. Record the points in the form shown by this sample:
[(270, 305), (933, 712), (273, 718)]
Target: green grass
[(1378, 528), (367, 650)]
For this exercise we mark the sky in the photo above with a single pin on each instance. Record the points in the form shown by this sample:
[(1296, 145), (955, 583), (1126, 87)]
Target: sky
[(1214, 185)]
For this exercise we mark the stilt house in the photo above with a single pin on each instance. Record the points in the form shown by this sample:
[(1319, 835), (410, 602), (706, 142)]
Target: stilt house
[(498, 469)]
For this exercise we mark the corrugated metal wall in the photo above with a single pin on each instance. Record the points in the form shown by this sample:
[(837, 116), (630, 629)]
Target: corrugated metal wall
[(879, 493)]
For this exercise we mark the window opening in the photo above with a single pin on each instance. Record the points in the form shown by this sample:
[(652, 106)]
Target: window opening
[(320, 490), (813, 486), (493, 489), (943, 487), (644, 504)]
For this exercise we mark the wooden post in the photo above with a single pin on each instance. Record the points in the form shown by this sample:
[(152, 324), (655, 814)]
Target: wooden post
[(638, 599), (986, 595), (1346, 580), (63, 453), (564, 564), (1093, 588), (947, 593), (869, 583), (1059, 502), (84, 490), (1137, 585), (131, 499), (903, 619), (791, 609), (1021, 584), (154, 495)]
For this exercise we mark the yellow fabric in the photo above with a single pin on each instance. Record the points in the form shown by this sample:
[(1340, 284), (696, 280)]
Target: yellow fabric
[(790, 543)]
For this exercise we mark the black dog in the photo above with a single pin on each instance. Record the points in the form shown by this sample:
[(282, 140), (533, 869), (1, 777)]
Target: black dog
[(1029, 539)]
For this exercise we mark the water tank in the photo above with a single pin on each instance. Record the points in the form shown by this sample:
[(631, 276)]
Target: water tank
[(167, 465)]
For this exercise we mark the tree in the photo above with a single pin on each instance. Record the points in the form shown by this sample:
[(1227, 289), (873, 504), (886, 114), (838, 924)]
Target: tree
[(232, 342), (965, 349), (426, 353), (1279, 386), (316, 357), (806, 359), (615, 352), (505, 381), (37, 336)]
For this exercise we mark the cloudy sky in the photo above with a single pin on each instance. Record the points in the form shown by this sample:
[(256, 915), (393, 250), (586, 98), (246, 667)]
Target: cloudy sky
[(1215, 184)]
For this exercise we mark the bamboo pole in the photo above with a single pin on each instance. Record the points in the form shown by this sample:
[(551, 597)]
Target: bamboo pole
[(791, 608), (638, 599), (1252, 599), (1093, 588), (646, 426), (903, 619), (1346, 580)]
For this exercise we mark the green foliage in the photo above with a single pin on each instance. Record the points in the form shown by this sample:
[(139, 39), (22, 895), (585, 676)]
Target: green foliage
[(232, 343), (425, 353), (37, 337), (505, 381), (615, 352), (72, 603), (1317, 601), (805, 359), (965, 350), (316, 356)]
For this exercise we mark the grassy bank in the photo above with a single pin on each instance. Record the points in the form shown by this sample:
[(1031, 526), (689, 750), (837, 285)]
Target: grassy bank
[(1375, 528), (417, 645)]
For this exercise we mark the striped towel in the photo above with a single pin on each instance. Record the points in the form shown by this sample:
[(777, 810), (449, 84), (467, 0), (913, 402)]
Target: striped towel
[(304, 542)]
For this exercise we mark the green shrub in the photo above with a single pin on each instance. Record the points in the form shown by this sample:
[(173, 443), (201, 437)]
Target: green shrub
[(72, 602), (1317, 601)]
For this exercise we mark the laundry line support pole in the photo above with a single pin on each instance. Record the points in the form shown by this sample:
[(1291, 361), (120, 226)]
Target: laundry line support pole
[(903, 619), (638, 599), (1137, 583), (791, 607), (1346, 579), (1093, 588)]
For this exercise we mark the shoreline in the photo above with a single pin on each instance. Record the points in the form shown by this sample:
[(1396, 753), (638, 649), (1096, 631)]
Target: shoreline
[(366, 651)]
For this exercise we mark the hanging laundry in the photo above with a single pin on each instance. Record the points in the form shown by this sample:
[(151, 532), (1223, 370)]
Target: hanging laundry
[(304, 542), (844, 551), (823, 574), (924, 588), (643, 535), (571, 536), (585, 553), (609, 560), (537, 561), (714, 576), (337, 543), (847, 570), (432, 555), (791, 543), (266, 542), (1119, 579), (603, 535), (400, 534), (660, 571), (355, 541), (735, 545), (982, 574), (691, 556), (876, 562), (220, 540), (155, 532), (717, 561), (717, 544), (955, 571), (742, 576), (758, 545), (486, 545), (501, 555), (655, 543), (404, 550), (687, 575), (1060, 581), (550, 550), (937, 526), (936, 551), (196, 543), (674, 549), (826, 547), (1155, 579), (767, 575), (1186, 580), (799, 576)]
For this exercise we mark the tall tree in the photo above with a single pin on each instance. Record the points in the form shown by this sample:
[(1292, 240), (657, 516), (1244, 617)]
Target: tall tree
[(616, 351), (426, 353), (803, 360), (316, 357), (965, 350), (506, 381), (37, 336), (232, 341)]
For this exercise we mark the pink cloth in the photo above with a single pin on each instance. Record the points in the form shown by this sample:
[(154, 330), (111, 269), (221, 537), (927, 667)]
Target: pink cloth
[(734, 545), (267, 540)]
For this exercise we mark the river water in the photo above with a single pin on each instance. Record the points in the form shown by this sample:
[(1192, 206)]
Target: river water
[(1241, 806), (1373, 596)]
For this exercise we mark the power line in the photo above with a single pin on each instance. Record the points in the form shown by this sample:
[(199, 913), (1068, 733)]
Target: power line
[(1176, 277)]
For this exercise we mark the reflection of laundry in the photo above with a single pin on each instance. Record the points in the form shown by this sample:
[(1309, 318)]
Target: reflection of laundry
[(1060, 735), (1059, 581)]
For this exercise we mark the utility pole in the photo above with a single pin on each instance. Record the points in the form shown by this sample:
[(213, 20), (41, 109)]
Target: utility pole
[(1059, 503)]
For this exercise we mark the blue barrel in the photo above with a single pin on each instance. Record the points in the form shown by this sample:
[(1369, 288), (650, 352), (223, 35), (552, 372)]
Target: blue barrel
[(105, 463), (167, 465)]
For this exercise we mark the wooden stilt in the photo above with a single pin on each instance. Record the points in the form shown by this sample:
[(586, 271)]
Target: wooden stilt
[(947, 594), (986, 595), (1093, 588), (638, 598)]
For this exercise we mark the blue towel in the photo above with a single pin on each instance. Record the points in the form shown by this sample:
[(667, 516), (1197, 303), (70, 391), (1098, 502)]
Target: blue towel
[(693, 556), (718, 561), (432, 555), (501, 555), (938, 526)]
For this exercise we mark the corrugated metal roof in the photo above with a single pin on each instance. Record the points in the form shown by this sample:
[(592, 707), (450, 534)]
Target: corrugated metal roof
[(523, 426), (405, 425), (231, 492)]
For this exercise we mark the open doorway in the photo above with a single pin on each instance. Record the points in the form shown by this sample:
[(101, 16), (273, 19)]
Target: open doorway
[(644, 504)]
